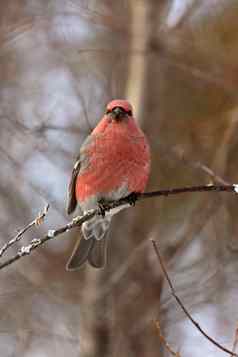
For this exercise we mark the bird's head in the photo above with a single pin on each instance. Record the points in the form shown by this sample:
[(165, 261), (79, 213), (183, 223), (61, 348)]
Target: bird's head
[(119, 109)]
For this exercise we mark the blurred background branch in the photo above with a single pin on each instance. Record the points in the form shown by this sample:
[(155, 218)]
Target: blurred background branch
[(181, 305)]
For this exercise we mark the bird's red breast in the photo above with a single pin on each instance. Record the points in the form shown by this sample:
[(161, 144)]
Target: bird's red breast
[(117, 154)]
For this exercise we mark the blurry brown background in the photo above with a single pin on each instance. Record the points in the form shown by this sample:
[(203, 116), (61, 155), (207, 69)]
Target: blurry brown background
[(176, 61)]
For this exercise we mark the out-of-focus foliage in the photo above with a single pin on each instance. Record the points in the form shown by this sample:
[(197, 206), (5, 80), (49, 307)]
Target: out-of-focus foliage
[(61, 61)]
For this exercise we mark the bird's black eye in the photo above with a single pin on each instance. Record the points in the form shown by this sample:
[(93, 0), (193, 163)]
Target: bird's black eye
[(129, 112)]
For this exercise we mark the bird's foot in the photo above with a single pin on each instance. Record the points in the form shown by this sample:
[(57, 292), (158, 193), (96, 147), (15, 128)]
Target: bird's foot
[(132, 198), (103, 207)]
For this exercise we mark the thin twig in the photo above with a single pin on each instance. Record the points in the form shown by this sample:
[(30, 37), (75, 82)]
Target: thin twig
[(235, 341), (36, 242), (36, 222), (210, 172), (127, 202), (173, 293), (199, 166), (164, 342)]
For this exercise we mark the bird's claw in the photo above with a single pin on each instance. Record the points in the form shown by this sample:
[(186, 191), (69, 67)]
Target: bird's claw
[(132, 198), (103, 207)]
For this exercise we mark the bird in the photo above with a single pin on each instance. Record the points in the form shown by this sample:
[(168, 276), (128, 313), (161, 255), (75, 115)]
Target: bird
[(113, 163)]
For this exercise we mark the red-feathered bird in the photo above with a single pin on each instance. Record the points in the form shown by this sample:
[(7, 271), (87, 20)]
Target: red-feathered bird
[(114, 161)]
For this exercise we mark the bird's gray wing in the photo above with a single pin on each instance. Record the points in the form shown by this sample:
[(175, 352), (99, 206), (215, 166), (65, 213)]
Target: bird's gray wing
[(80, 165)]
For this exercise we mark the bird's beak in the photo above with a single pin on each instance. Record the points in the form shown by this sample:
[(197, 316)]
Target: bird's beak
[(118, 113)]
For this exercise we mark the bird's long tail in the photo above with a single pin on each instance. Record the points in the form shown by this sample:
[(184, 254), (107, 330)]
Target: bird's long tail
[(91, 245)]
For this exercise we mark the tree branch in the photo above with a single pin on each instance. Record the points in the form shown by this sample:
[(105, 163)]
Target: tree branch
[(101, 210), (36, 222), (36, 242), (173, 293), (165, 342)]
